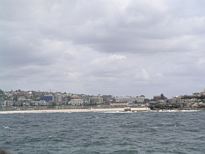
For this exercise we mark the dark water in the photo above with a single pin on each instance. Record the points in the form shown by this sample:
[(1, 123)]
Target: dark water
[(106, 133)]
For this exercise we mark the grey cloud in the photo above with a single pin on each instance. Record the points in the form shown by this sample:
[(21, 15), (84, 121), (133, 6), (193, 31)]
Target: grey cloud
[(124, 32), (80, 45)]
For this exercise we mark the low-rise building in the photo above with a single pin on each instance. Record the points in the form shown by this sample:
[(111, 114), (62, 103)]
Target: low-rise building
[(96, 100), (47, 98), (76, 102), (140, 99)]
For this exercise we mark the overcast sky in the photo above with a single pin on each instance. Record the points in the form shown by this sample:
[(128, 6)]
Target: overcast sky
[(119, 47)]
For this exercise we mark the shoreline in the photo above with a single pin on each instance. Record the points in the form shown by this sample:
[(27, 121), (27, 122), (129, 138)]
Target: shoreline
[(103, 110), (62, 110)]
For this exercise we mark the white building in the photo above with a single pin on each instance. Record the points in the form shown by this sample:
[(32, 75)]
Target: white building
[(76, 102), (140, 99)]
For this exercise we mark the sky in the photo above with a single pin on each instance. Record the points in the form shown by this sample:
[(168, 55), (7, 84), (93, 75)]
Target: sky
[(118, 47)]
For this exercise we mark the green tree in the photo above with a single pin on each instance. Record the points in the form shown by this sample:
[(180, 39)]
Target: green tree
[(2, 94), (2, 97)]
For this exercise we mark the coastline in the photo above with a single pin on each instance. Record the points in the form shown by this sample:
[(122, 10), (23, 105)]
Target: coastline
[(64, 110), (75, 110), (104, 110)]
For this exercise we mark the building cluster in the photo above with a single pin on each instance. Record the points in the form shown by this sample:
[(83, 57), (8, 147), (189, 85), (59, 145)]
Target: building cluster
[(19, 98), (39, 98), (194, 101)]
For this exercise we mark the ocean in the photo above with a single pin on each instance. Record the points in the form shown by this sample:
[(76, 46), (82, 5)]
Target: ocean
[(103, 133)]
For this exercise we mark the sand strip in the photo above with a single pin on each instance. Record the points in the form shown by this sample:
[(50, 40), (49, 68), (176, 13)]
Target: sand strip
[(64, 110)]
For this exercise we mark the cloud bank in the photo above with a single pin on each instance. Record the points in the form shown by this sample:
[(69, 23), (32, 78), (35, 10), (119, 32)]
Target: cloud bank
[(103, 46)]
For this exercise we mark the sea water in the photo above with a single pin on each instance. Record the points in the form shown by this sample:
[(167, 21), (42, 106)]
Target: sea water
[(103, 133)]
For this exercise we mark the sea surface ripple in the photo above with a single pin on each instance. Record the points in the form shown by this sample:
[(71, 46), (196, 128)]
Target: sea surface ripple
[(103, 133)]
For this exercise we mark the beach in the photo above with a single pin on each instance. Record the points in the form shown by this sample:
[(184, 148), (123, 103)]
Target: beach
[(75, 110), (104, 110)]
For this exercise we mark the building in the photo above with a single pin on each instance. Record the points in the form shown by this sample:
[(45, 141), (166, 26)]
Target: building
[(96, 100), (8, 103), (48, 98), (76, 102), (140, 99), (58, 98), (108, 99), (127, 99), (159, 98)]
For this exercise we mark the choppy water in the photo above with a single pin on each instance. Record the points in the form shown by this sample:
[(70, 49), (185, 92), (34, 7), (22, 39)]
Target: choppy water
[(106, 133)]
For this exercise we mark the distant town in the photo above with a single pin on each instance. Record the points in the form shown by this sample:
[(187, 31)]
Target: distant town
[(22, 100)]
